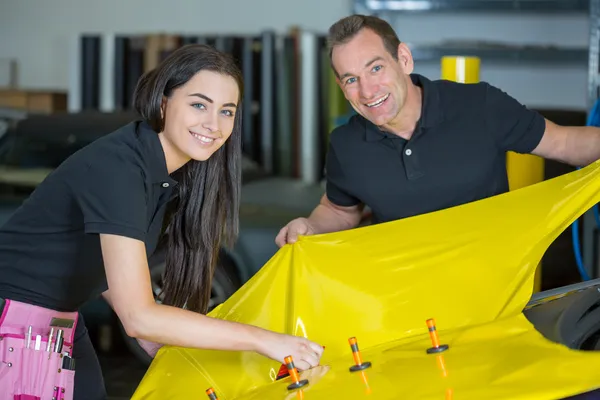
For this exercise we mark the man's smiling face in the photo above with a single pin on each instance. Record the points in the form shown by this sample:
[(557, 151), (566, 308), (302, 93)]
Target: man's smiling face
[(371, 79)]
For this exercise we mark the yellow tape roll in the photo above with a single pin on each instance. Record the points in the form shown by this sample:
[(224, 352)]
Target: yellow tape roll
[(461, 69)]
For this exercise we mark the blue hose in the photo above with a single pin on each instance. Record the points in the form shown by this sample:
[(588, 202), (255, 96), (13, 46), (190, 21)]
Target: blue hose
[(593, 120), (577, 250)]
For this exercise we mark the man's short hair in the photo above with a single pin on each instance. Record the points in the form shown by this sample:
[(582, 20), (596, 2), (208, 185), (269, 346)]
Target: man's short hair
[(346, 28)]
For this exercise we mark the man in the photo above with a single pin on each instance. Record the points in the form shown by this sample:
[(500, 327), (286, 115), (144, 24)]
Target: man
[(417, 145)]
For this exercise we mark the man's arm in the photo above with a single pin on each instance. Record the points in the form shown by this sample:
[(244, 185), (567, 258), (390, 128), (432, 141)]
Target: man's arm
[(329, 217), (338, 208), (573, 145), (326, 217)]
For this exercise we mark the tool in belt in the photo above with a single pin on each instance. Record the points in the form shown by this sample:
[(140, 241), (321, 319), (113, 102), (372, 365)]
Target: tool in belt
[(36, 347)]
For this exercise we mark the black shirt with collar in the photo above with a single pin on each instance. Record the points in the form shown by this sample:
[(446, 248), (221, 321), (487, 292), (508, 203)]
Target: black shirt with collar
[(456, 155), (50, 251)]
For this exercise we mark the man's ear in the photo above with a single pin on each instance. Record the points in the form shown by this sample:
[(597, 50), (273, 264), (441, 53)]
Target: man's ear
[(405, 58)]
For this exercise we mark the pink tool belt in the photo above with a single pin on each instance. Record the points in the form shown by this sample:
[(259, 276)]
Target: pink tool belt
[(36, 348)]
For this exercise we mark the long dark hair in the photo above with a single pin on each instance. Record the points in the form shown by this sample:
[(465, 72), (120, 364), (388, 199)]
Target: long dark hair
[(205, 211)]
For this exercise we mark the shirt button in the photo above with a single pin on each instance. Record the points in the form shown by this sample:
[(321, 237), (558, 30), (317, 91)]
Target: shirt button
[(165, 185), (408, 152)]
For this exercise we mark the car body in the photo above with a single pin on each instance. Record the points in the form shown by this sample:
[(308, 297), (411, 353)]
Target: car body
[(568, 316), (461, 277)]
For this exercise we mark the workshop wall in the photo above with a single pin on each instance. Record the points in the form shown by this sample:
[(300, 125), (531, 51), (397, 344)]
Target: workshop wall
[(37, 34), (40, 31)]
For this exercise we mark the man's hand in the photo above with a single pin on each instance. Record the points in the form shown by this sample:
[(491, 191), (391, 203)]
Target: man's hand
[(326, 217), (290, 232)]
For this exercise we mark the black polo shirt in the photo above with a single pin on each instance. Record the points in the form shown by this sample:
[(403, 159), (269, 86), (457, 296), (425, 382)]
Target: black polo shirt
[(50, 251), (456, 155)]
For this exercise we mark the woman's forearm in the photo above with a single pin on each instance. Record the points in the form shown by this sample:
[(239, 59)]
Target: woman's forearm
[(165, 324), (131, 298)]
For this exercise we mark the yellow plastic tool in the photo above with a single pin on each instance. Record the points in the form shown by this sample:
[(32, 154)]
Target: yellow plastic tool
[(471, 268)]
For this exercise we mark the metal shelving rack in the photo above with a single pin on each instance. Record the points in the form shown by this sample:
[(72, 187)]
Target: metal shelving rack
[(493, 52), (472, 5)]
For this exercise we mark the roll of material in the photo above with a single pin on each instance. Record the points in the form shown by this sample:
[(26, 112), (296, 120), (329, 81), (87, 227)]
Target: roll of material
[(308, 107), (90, 72), (463, 69), (267, 106), (283, 144), (107, 73), (119, 76), (74, 97), (248, 142)]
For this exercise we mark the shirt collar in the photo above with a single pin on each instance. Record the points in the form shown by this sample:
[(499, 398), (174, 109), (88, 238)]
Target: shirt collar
[(155, 154), (431, 112)]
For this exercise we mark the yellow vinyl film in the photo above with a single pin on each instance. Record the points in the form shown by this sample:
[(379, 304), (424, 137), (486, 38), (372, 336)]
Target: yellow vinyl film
[(471, 268)]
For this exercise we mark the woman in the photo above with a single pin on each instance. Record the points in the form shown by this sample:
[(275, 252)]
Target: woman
[(89, 228)]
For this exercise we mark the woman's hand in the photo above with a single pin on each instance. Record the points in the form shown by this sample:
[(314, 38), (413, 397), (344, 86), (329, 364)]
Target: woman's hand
[(306, 354)]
